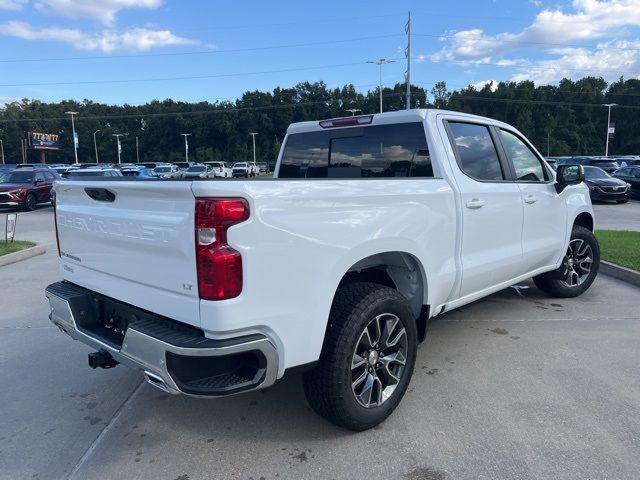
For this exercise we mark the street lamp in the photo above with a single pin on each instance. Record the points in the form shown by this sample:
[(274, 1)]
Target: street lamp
[(75, 138), (353, 111), (382, 61), (118, 135), (95, 144), (253, 137), (186, 146), (609, 105)]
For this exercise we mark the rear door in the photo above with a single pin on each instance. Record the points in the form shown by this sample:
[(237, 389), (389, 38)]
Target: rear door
[(133, 241), (492, 213), (545, 212)]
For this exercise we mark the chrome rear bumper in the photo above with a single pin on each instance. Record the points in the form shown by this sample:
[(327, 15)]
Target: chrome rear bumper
[(171, 356)]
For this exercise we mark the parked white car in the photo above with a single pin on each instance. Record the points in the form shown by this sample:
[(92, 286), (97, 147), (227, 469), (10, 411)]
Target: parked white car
[(220, 169), (245, 169), (372, 226)]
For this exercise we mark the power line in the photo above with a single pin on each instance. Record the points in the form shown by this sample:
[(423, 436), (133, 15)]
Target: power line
[(190, 77), (199, 52)]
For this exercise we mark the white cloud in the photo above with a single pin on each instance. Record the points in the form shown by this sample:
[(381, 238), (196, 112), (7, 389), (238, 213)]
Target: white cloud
[(493, 85), (609, 60), (104, 11), (107, 41), (12, 4), (591, 19)]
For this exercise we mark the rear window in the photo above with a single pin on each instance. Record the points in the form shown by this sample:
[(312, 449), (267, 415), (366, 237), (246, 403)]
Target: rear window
[(379, 151)]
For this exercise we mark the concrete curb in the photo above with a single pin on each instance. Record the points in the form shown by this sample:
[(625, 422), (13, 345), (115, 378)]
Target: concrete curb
[(621, 273), (14, 257)]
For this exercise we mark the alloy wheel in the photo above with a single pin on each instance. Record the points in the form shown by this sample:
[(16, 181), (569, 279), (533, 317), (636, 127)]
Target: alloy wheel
[(378, 361), (578, 263)]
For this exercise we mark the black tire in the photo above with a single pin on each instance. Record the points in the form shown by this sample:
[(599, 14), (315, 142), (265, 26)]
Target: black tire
[(556, 284), (30, 202), (623, 200), (328, 387)]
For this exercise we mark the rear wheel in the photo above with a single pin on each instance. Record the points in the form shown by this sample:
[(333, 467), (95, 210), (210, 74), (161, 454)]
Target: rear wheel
[(579, 267), (30, 202), (367, 358)]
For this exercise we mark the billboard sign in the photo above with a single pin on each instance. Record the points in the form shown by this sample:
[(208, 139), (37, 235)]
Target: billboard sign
[(44, 141)]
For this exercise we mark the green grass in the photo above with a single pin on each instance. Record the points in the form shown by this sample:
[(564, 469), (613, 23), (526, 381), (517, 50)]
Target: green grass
[(14, 246), (620, 247)]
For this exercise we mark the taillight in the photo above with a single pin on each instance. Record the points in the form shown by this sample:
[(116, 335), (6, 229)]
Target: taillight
[(219, 266)]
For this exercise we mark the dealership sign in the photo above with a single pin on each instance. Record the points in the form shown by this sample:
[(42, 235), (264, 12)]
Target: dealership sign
[(44, 141)]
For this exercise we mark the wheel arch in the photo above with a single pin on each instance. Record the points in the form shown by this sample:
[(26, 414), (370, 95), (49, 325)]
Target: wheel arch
[(399, 270), (584, 219)]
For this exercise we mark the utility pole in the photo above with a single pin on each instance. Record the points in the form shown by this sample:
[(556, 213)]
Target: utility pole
[(609, 128), (22, 148), (407, 53), (118, 135), (137, 151), (95, 144), (2, 151), (75, 137), (186, 146), (382, 61), (253, 137), (353, 111)]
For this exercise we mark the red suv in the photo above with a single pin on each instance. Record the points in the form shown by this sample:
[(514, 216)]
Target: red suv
[(26, 187)]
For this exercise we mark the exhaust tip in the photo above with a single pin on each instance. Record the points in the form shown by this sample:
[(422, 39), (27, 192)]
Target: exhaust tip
[(156, 381)]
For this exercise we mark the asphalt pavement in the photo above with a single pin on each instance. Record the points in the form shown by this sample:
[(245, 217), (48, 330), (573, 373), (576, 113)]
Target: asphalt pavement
[(614, 216), (515, 386)]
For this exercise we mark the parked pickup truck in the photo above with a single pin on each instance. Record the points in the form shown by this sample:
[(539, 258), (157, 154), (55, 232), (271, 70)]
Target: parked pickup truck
[(373, 225)]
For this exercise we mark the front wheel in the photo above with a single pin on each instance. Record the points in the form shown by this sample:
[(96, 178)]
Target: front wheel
[(30, 202), (367, 358), (579, 267)]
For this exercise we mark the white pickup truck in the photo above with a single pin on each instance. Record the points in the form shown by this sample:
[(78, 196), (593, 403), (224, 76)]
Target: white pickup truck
[(373, 225)]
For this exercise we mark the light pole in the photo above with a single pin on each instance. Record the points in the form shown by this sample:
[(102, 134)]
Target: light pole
[(75, 138), (353, 111), (137, 151), (2, 151), (95, 144), (382, 61), (253, 137), (606, 148), (186, 146), (118, 135)]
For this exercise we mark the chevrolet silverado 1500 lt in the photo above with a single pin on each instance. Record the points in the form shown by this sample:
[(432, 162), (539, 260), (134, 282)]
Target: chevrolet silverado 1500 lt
[(373, 225)]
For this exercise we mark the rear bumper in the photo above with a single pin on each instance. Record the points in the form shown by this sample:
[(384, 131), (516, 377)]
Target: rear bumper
[(174, 357), (10, 204)]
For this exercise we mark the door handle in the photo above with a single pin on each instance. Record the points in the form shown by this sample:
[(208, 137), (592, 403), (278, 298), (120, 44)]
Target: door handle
[(475, 204), (530, 199)]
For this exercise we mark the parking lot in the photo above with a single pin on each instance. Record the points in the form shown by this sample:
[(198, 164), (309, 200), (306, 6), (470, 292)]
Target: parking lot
[(518, 385)]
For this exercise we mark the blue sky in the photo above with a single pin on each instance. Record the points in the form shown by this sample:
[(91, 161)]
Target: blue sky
[(228, 45)]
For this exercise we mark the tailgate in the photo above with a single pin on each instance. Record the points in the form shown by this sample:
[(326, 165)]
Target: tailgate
[(132, 241)]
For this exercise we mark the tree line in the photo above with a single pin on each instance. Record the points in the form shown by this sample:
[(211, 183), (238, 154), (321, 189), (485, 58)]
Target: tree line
[(564, 119)]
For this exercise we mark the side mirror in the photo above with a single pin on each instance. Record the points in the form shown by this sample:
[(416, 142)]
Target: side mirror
[(568, 175)]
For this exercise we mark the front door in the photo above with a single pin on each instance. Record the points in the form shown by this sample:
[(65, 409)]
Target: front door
[(545, 212)]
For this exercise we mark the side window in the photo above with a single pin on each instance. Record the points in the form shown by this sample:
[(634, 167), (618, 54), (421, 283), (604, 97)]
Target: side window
[(378, 151), (39, 177), (477, 153), (527, 165), (49, 176)]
